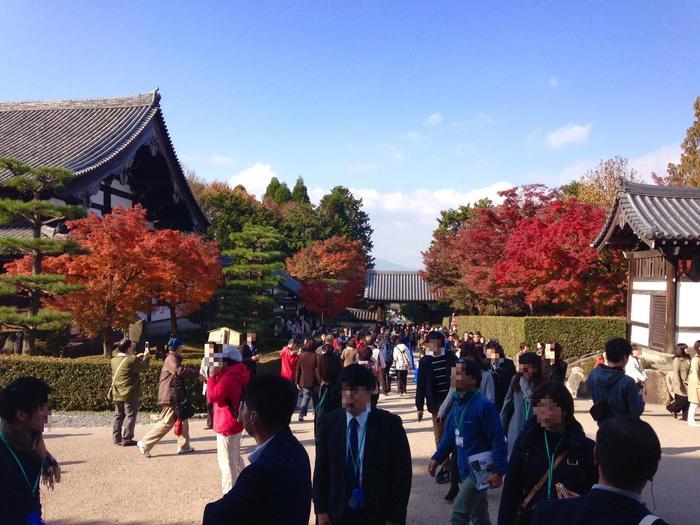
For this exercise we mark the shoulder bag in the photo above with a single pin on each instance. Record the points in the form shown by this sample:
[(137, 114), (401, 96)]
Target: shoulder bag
[(110, 394), (526, 502)]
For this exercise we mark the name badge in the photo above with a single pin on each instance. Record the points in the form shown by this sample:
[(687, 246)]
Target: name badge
[(355, 501), (459, 440)]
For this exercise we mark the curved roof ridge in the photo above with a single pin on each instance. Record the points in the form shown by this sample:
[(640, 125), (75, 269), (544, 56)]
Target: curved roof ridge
[(150, 98)]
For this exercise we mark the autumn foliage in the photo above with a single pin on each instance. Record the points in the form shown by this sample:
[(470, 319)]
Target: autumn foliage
[(127, 269), (332, 272), (531, 254)]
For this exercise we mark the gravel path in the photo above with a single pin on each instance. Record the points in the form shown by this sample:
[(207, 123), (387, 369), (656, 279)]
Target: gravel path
[(103, 483)]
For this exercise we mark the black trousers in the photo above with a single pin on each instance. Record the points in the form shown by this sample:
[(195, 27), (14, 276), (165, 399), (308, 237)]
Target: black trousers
[(387, 380), (402, 377), (124, 420), (680, 404), (210, 415)]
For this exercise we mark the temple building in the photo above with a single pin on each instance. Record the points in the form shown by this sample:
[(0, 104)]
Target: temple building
[(658, 229), (118, 148)]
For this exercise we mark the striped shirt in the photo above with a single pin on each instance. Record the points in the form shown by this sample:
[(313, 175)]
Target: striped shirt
[(441, 376)]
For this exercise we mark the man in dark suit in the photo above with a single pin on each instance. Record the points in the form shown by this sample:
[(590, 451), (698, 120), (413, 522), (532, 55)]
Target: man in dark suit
[(627, 453), (363, 461), (276, 487)]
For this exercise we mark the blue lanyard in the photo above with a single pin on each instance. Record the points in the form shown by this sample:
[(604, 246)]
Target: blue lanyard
[(550, 458), (357, 461), (19, 464)]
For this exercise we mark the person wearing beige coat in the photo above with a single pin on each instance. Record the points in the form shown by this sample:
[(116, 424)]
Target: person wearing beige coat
[(694, 385)]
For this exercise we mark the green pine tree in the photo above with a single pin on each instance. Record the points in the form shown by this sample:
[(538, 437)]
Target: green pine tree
[(25, 202), (300, 193), (247, 302)]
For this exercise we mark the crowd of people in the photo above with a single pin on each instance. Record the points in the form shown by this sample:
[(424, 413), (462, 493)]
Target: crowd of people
[(496, 422)]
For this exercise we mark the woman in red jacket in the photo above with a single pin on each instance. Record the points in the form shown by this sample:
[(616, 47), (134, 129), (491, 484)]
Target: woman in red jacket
[(290, 356), (224, 391)]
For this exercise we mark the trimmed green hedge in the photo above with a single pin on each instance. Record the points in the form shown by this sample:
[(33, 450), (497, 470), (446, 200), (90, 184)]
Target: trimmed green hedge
[(576, 335), (83, 385)]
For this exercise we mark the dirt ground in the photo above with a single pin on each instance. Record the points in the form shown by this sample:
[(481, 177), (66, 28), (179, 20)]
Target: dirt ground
[(103, 483)]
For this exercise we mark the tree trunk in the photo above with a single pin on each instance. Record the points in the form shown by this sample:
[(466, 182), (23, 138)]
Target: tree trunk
[(28, 342), (107, 342), (173, 321)]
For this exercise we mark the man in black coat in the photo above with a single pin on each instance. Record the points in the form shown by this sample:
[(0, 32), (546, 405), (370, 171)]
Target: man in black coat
[(276, 487), (627, 453), (363, 461)]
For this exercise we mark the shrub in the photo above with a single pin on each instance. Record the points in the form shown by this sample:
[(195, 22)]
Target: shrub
[(577, 335), (83, 384)]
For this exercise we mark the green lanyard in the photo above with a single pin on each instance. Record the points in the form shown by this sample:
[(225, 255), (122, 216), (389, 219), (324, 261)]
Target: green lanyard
[(357, 461), (550, 458), (528, 409), (460, 420), (322, 401), (19, 464)]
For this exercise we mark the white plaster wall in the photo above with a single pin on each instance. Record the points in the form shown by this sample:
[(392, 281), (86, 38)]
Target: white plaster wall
[(639, 335), (119, 186), (688, 338), (160, 314), (651, 286), (121, 201), (688, 313), (641, 308)]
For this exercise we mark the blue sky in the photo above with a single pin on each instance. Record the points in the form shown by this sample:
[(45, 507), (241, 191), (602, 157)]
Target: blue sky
[(416, 106)]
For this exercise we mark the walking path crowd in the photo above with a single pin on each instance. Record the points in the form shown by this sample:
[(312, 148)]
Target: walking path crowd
[(497, 424)]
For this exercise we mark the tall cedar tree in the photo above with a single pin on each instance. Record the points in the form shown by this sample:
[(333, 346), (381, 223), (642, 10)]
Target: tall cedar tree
[(550, 259), (33, 187), (116, 272), (189, 272), (247, 301), (333, 275), (300, 193), (687, 171), (342, 215), (277, 192)]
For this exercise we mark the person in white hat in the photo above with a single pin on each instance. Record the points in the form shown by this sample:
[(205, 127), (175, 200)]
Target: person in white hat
[(224, 392)]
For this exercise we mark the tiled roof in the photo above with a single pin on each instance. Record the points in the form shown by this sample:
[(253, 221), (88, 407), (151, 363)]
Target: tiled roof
[(358, 314), (80, 135), (653, 214), (397, 287)]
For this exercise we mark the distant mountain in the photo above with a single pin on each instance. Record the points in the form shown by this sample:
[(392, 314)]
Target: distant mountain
[(383, 264)]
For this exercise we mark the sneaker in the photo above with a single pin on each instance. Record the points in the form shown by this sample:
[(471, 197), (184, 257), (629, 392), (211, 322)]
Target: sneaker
[(143, 450), (185, 450), (128, 443), (442, 476)]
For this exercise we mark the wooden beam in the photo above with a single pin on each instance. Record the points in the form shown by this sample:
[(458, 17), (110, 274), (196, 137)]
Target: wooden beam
[(671, 303), (630, 280)]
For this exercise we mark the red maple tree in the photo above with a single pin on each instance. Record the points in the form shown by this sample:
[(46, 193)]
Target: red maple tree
[(189, 272), (549, 258), (332, 273)]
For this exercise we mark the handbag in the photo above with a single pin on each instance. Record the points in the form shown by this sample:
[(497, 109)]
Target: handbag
[(526, 502), (185, 410), (110, 394)]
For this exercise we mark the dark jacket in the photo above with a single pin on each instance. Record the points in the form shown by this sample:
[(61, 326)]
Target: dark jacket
[(502, 376), (274, 490), (16, 499), (387, 468), (329, 399), (554, 371), (305, 375), (481, 431), (171, 387), (577, 471), (618, 391), (599, 507), (426, 393)]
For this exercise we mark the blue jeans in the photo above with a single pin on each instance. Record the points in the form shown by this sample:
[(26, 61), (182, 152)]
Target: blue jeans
[(307, 394), (470, 505)]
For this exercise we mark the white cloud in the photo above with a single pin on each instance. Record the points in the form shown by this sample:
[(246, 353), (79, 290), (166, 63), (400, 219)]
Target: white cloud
[(655, 161), (553, 82), (569, 134), (414, 136), (254, 179), (433, 119), (221, 160)]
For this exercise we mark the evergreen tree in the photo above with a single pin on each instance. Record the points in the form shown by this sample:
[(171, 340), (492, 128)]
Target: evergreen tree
[(247, 301), (300, 193), (277, 192), (343, 216), (32, 187)]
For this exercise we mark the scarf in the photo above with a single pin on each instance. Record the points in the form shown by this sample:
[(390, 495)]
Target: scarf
[(527, 388), (34, 446)]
